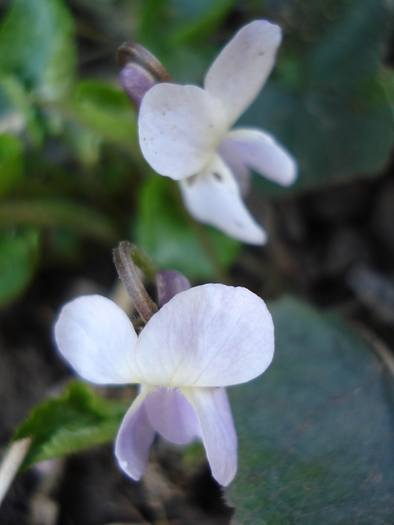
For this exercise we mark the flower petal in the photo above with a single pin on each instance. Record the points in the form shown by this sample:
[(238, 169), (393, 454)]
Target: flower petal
[(243, 66), (180, 128), (135, 437), (97, 338), (238, 168), (217, 428), (210, 335), (261, 153), (213, 197), (171, 414)]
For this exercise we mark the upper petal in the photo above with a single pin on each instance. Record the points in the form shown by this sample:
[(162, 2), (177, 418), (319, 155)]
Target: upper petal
[(217, 429), (260, 152), (97, 338), (210, 335), (179, 129), (171, 414), (214, 197), (241, 69), (135, 438)]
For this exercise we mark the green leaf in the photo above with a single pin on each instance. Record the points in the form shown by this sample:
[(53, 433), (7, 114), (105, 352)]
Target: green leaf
[(351, 50), (17, 112), (75, 421), (59, 213), (329, 104), (165, 232), (332, 138), (11, 162), (106, 110), (18, 255), (37, 44), (315, 431)]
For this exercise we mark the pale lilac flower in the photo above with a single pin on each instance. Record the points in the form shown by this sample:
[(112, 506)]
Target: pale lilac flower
[(202, 340), (185, 134)]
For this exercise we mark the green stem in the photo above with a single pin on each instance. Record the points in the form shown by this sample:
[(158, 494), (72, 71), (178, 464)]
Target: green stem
[(54, 213)]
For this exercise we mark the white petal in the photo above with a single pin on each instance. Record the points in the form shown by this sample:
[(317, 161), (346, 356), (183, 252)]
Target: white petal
[(241, 69), (210, 335), (180, 128), (213, 197), (217, 428), (261, 153), (135, 438), (97, 338), (171, 414)]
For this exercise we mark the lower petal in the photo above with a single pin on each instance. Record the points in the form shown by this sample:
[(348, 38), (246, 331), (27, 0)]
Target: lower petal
[(259, 151), (233, 159), (217, 429), (171, 414), (213, 197), (135, 438)]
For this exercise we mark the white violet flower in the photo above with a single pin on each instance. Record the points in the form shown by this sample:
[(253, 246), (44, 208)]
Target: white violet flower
[(202, 340), (185, 134)]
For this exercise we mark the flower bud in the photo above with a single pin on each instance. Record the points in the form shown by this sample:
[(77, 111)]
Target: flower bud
[(169, 283), (140, 71)]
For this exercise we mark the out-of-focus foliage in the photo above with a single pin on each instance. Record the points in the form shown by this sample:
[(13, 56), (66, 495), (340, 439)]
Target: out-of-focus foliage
[(11, 162), (315, 430), (18, 258), (70, 165), (37, 43), (106, 110), (75, 421), (164, 230)]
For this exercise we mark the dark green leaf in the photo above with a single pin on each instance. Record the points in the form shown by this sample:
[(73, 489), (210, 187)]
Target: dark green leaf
[(75, 421), (11, 162), (58, 213), (329, 105), (18, 255), (332, 138), (37, 44), (315, 431), (171, 238), (352, 49)]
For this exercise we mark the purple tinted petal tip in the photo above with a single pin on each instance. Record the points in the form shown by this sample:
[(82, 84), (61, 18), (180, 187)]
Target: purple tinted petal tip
[(136, 81), (169, 283)]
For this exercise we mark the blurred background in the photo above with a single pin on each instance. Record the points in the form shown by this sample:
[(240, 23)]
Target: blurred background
[(73, 184)]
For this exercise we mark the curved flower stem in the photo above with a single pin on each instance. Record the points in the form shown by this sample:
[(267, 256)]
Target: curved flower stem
[(123, 258), (143, 262)]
